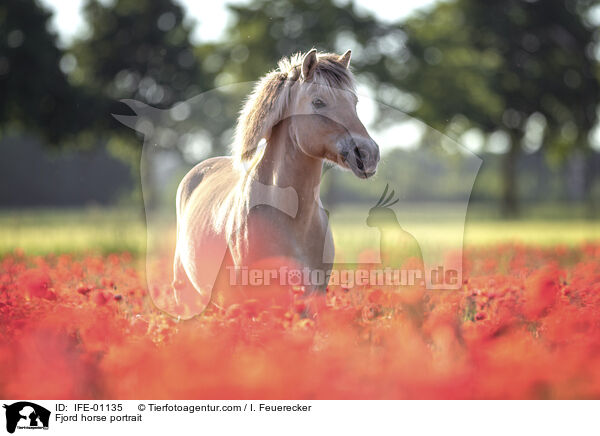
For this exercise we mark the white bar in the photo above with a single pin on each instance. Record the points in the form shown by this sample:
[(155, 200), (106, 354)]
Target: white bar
[(322, 417)]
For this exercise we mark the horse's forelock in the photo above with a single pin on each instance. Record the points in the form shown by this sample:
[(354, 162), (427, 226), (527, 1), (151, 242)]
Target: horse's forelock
[(331, 72)]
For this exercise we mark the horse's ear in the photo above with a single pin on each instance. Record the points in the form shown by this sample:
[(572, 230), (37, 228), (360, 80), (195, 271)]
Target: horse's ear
[(309, 63), (345, 58)]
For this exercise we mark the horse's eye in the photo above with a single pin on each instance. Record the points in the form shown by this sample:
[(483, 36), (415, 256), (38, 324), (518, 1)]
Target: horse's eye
[(318, 103)]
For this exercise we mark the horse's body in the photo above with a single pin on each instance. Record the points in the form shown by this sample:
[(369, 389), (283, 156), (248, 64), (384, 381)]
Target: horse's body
[(263, 202)]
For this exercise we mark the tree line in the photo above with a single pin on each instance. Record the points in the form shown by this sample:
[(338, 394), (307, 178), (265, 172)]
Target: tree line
[(524, 70)]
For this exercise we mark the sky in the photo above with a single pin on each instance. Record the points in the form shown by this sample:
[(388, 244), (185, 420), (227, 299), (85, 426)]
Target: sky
[(211, 16)]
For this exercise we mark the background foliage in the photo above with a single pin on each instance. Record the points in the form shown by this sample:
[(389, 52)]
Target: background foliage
[(516, 80)]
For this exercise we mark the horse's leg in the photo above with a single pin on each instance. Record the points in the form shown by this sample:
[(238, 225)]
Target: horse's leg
[(200, 249), (188, 301), (181, 284)]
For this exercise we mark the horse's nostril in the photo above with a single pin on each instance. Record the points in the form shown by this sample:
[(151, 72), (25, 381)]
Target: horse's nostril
[(359, 162)]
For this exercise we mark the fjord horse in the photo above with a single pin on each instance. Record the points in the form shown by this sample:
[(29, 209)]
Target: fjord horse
[(262, 202)]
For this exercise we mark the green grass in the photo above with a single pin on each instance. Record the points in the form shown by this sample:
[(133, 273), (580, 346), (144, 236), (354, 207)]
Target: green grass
[(72, 231), (108, 230)]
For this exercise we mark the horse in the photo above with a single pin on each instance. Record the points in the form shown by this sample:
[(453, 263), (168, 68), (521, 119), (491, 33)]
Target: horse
[(262, 202)]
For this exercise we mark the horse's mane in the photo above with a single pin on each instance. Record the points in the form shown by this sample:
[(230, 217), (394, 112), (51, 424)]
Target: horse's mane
[(266, 105)]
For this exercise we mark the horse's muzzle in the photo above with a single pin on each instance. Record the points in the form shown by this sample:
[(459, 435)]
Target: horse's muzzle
[(361, 155)]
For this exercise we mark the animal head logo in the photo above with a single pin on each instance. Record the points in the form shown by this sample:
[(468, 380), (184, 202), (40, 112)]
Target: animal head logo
[(382, 212), (26, 415)]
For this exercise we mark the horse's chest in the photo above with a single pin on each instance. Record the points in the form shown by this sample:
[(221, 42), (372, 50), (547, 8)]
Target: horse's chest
[(271, 233)]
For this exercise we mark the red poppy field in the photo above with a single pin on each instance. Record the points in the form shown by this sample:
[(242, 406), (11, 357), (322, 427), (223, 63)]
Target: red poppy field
[(526, 324)]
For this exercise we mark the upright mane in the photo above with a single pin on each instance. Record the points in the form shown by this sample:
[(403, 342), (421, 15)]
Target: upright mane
[(266, 105)]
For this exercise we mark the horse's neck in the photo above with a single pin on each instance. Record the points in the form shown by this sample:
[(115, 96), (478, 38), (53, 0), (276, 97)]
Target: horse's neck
[(284, 165)]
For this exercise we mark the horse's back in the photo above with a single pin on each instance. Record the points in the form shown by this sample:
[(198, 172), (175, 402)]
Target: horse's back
[(216, 167)]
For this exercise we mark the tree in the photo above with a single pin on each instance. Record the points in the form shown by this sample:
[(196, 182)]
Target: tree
[(499, 63), (138, 49), (141, 50), (264, 31), (35, 94)]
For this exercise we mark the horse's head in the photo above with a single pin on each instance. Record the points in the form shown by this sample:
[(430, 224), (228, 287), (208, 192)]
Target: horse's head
[(315, 94), (324, 121)]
